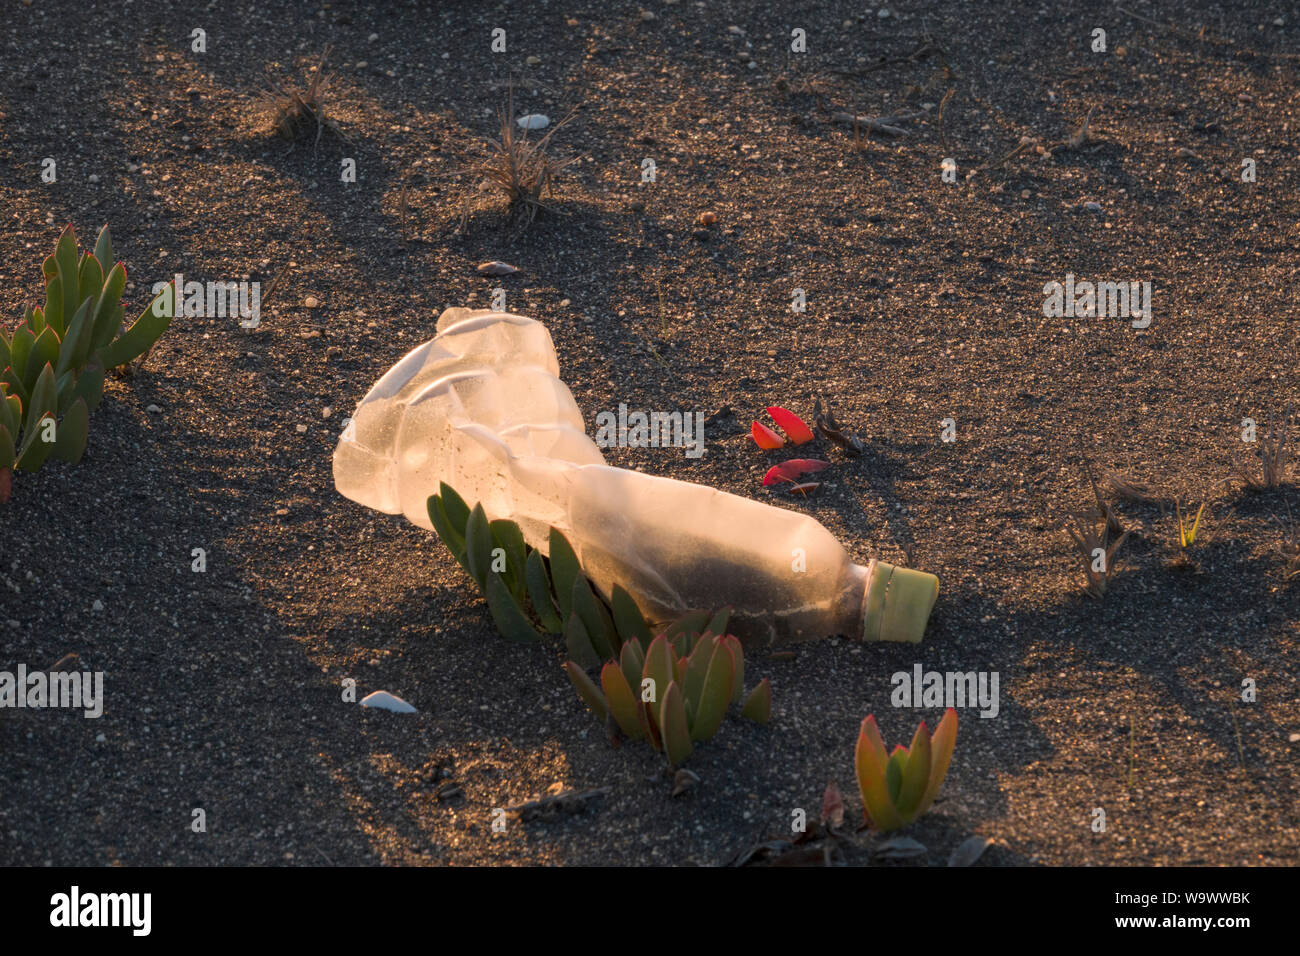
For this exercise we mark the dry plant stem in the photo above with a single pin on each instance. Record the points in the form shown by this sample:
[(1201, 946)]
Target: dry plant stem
[(943, 108), (1132, 489), (888, 125), (275, 283), (1273, 456)]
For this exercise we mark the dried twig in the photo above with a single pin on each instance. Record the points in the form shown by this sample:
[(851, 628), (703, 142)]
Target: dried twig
[(888, 125), (1132, 489), (565, 801)]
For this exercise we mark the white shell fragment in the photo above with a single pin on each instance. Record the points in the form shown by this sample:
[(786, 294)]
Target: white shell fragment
[(534, 121), (383, 700)]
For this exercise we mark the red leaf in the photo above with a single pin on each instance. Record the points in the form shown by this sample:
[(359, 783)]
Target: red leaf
[(765, 438), (792, 469), (791, 424)]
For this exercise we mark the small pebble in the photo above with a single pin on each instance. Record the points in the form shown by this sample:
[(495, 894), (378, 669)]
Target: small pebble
[(301, 429), (1294, 738), (93, 178), (326, 412), (373, 37), (533, 61), (153, 409), (1092, 206), (534, 121), (100, 739), (647, 16), (708, 218), (383, 700), (98, 605), (311, 302), (883, 14)]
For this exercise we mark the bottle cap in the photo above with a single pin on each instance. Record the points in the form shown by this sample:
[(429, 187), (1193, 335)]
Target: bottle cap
[(897, 603)]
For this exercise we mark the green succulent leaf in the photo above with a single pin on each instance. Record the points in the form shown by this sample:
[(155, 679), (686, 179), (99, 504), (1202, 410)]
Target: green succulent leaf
[(90, 281), (621, 700), (916, 774), (75, 346), (738, 660), (72, 432), (587, 689), (90, 385), (506, 613), (104, 248), (631, 663), (715, 695), (659, 667), (674, 727), (599, 625), (564, 571), (144, 331), (11, 413), (539, 593), (718, 623), (45, 351), (869, 761), (507, 536), (578, 643), (627, 616), (697, 668), (106, 318), (894, 775), (452, 538), (692, 622), (455, 507), (478, 545), (758, 705), (65, 259), (942, 742)]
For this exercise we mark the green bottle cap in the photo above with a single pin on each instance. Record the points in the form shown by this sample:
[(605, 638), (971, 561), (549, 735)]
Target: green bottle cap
[(897, 603)]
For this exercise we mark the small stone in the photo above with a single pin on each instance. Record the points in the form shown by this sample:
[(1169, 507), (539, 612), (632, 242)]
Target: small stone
[(883, 14), (735, 30), (372, 38), (362, 64), (93, 178), (1294, 739), (1092, 206), (565, 303), (1278, 21), (383, 700), (326, 412), (1025, 194), (301, 429), (153, 409), (647, 16), (534, 121), (100, 739), (98, 605), (534, 61), (708, 218), (496, 268), (311, 302)]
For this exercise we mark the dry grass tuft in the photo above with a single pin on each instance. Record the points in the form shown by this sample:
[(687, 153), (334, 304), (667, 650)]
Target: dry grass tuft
[(1092, 540), (1274, 456), (293, 112), (522, 169)]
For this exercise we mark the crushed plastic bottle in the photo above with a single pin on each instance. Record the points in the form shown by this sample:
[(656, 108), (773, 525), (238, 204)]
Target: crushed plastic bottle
[(481, 407)]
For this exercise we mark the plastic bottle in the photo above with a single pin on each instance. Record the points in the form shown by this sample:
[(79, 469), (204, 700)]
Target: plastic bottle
[(481, 406)]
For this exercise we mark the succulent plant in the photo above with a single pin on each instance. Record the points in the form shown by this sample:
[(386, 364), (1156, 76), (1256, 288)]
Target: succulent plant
[(52, 365), (675, 691), (898, 788)]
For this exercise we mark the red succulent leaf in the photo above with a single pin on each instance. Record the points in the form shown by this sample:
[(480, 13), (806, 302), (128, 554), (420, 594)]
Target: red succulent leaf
[(792, 469), (791, 424), (765, 438)]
